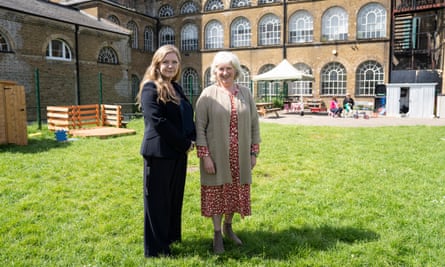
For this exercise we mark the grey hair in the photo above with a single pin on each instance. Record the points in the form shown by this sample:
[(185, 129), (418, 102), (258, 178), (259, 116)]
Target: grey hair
[(224, 57)]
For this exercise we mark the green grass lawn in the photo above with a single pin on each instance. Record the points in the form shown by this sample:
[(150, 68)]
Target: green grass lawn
[(322, 196)]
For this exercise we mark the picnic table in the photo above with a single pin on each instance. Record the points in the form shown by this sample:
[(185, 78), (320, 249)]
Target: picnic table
[(266, 107)]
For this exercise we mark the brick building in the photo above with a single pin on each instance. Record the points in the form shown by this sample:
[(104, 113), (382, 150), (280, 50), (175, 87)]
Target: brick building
[(66, 55), (346, 45)]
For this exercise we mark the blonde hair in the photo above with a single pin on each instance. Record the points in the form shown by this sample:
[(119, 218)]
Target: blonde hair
[(165, 92), (224, 57)]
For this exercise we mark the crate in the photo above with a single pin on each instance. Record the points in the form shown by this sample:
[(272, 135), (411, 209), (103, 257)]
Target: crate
[(83, 116), (13, 124), (72, 117)]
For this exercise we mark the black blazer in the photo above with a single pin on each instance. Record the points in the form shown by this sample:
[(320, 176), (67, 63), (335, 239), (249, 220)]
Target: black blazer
[(164, 134)]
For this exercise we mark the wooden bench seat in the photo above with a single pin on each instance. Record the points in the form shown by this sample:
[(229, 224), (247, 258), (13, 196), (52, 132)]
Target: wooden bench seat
[(84, 116), (262, 111), (88, 120)]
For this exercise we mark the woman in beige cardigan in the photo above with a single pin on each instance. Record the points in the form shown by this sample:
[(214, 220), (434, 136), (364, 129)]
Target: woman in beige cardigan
[(228, 138)]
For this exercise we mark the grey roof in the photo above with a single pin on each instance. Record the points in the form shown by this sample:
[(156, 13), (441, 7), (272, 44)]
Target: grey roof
[(74, 2), (57, 12)]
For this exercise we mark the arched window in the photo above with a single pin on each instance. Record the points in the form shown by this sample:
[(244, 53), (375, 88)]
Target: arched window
[(214, 35), (240, 3), (207, 76), (189, 8), (267, 89), (189, 37), (107, 55), (240, 33), (333, 79), (148, 39), (371, 22), (134, 86), (134, 34), (114, 19), (166, 36), (166, 11), (262, 2), (301, 27), (190, 82), (213, 5), (4, 46), (244, 77), (368, 75), (301, 88), (334, 24), (269, 30), (57, 49)]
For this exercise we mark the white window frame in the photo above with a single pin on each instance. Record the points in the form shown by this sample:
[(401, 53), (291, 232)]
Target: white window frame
[(214, 35), (335, 24), (63, 53), (371, 22), (241, 32), (301, 27), (269, 30)]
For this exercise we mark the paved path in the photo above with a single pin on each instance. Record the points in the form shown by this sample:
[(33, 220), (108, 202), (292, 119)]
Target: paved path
[(324, 120)]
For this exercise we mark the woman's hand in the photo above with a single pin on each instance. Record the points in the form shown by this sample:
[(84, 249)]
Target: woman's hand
[(209, 167)]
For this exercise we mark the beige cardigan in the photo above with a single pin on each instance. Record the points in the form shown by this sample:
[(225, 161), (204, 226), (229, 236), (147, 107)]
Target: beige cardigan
[(212, 130)]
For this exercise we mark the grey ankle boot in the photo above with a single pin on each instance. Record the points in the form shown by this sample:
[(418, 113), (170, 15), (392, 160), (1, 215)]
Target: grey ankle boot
[(218, 245), (228, 232)]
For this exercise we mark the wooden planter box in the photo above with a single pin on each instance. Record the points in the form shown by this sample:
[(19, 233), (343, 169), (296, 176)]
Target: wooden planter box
[(13, 124)]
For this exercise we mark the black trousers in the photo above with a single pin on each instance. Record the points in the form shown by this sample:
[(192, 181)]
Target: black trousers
[(164, 182)]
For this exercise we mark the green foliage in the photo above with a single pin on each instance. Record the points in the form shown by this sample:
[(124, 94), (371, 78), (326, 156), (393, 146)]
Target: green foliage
[(321, 196), (278, 103)]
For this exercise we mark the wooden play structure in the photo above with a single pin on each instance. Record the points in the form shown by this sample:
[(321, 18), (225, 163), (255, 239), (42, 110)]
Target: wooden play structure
[(13, 124), (88, 120)]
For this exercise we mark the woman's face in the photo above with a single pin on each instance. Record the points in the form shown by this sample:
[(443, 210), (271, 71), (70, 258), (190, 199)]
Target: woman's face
[(225, 74), (169, 66)]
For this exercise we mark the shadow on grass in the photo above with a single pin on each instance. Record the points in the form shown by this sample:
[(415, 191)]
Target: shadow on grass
[(281, 245), (34, 146)]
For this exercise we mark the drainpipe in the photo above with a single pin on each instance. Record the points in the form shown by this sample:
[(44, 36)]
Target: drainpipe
[(284, 28), (391, 40), (76, 38)]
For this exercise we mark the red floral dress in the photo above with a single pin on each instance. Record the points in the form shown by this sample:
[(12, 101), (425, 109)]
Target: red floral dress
[(227, 198)]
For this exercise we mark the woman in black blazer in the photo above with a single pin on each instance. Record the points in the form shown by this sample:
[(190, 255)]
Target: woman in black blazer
[(168, 137)]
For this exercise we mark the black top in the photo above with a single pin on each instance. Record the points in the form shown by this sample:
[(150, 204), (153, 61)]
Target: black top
[(169, 128)]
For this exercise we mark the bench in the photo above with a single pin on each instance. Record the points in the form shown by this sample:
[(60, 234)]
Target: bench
[(88, 120), (264, 111), (315, 105), (112, 116), (363, 108), (83, 116)]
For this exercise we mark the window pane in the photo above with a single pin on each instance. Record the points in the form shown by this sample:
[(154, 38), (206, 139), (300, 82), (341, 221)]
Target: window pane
[(369, 74), (371, 22), (190, 82), (107, 55), (301, 27), (335, 24), (241, 33), (269, 30), (166, 36), (333, 79), (214, 35), (189, 38), (214, 5)]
